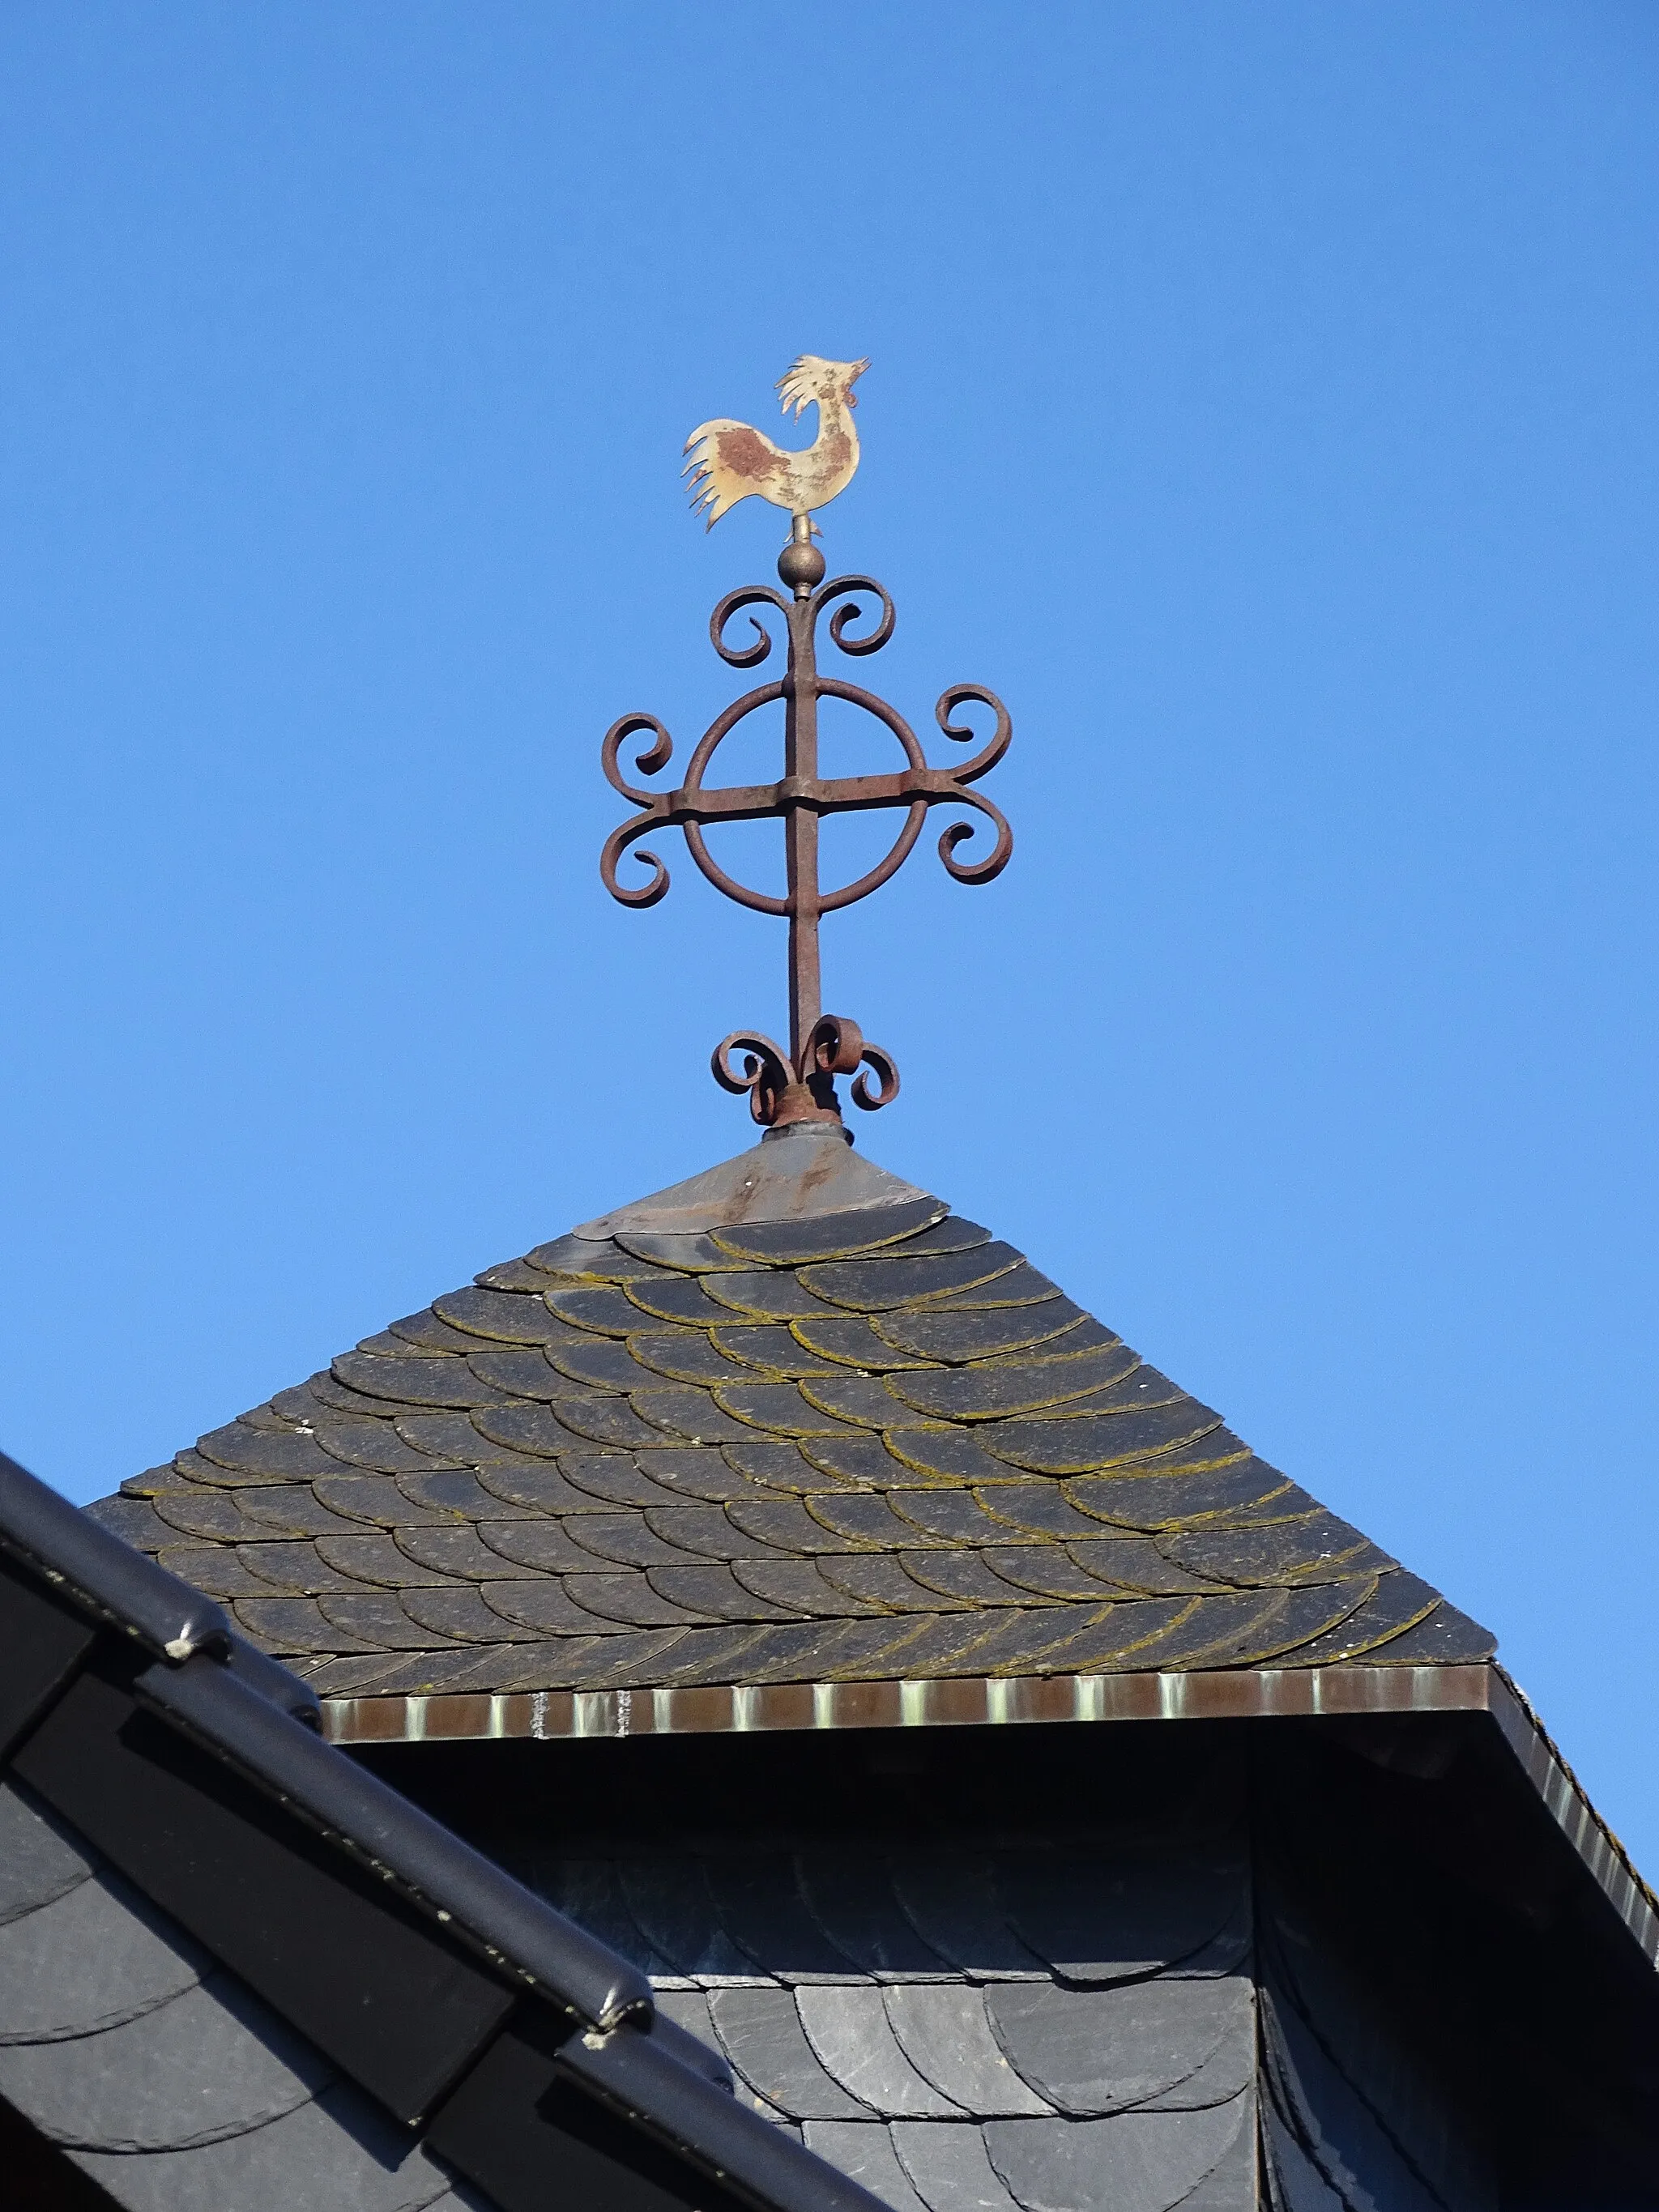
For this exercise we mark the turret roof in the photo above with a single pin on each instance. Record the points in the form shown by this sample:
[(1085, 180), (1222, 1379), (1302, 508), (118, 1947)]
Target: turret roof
[(792, 1421)]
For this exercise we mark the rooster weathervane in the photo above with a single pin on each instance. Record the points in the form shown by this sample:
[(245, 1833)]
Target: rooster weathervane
[(731, 461)]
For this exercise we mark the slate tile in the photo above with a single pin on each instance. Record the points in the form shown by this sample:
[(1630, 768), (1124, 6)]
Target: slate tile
[(864, 2150), (545, 1606), (951, 1898), (329, 1390), (863, 1400), (878, 1578), (611, 1478), (1085, 1442), (528, 1428), (838, 1651), (1036, 1508), (978, 1393), (951, 1515), (781, 1464), (589, 1891), (847, 1461), (1316, 1548), (604, 1308), (972, 1332), (1132, 2162), (602, 1363), (781, 1408), (93, 1957), (546, 1546), (876, 1285), (760, 1295), (1108, 1914), (372, 1499), (704, 1530), (715, 1591), (628, 1598), (288, 1626), (137, 1521), (534, 1487), (785, 1525), (573, 1255), (1008, 1640), (1217, 1631), (949, 2166), (760, 2034), (853, 2040), (796, 1586), (1021, 1286), (440, 1380), (1444, 1638), (851, 1897), (525, 1371), (868, 1518), (943, 2029), (377, 1620), (668, 1899), (288, 1509), (1151, 1501), (452, 1671), (458, 1551), (372, 1445), (690, 1252), (376, 1558), (964, 1576), (446, 1438), (683, 1355), (266, 1454), (39, 1859), (215, 1569), (773, 1349), (1136, 1562), (946, 1454), (1043, 1570), (212, 1514), (683, 1299), (501, 1316), (678, 1409), (830, 1236), (208, 2062), (692, 1471), (427, 1332), (1400, 1602), (511, 1275), (298, 1570), (1073, 1638), (453, 1493), (761, 1907), (850, 1341), (626, 1540), (604, 1421)]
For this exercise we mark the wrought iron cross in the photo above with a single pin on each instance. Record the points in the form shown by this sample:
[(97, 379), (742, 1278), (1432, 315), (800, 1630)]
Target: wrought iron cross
[(800, 1085)]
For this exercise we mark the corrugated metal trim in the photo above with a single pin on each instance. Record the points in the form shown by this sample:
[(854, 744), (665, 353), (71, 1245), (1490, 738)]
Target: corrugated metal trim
[(1563, 1796), (1246, 1693)]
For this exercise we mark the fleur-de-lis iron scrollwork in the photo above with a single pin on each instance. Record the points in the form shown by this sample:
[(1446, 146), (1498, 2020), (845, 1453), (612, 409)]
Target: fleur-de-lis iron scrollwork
[(798, 1084)]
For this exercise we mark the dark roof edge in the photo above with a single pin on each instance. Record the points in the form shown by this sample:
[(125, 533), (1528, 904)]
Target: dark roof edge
[(1240, 1693)]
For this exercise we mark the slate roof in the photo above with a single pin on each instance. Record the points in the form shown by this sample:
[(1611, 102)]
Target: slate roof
[(792, 1421), (236, 1971)]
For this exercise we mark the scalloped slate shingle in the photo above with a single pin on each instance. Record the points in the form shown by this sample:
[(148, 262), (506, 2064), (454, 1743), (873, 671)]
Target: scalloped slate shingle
[(793, 1420)]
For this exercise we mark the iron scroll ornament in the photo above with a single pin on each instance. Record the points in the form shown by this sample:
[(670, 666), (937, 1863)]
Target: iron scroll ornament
[(800, 1085)]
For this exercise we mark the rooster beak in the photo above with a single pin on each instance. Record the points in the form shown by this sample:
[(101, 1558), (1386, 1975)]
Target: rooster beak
[(858, 367)]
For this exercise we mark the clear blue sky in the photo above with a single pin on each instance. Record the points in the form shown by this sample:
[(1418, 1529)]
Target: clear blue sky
[(1263, 400)]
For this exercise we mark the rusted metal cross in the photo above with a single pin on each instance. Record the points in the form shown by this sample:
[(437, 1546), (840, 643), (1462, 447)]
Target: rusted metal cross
[(800, 1085)]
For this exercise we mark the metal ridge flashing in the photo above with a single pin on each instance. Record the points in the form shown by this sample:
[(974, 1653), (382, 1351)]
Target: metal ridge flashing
[(1246, 1694)]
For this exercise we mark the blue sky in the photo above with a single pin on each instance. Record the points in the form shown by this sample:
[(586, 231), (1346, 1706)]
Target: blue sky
[(1263, 402)]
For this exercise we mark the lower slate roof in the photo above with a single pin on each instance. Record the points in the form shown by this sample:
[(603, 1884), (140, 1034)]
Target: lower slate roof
[(793, 1420), (239, 1973)]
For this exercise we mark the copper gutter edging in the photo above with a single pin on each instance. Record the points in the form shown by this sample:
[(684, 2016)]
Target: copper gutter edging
[(1248, 1693)]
